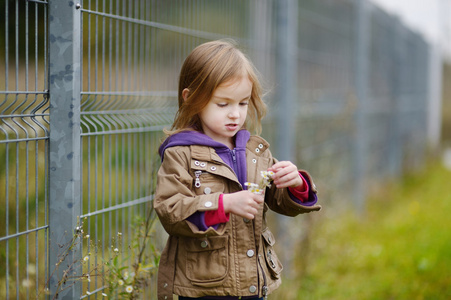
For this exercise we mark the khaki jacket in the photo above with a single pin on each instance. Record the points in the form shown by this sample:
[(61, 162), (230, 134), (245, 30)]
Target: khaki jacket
[(238, 257)]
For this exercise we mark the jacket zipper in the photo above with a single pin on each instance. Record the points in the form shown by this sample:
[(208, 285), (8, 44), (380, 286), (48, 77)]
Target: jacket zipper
[(235, 167), (197, 180), (234, 157)]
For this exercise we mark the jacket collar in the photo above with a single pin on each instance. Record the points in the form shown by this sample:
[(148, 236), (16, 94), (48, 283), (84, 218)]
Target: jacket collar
[(206, 153), (257, 145)]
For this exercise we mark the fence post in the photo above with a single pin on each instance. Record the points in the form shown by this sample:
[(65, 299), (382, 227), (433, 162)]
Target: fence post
[(395, 141), (287, 48), (362, 43), (287, 62), (64, 173)]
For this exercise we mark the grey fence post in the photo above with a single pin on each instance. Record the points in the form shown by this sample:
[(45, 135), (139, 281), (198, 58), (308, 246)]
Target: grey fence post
[(287, 27), (362, 40), (395, 142), (286, 62), (64, 180)]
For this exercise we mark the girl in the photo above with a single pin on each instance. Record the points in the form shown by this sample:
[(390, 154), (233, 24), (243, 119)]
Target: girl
[(219, 245)]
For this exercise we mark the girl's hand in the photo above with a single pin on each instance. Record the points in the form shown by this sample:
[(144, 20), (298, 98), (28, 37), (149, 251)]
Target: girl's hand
[(286, 175), (243, 203)]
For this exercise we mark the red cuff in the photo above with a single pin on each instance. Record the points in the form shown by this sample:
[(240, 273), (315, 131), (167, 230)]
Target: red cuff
[(300, 192), (214, 217)]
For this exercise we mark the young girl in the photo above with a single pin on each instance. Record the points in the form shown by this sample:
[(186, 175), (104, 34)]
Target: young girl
[(219, 245)]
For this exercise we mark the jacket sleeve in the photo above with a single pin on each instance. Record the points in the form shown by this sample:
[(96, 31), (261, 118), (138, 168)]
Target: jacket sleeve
[(175, 200), (280, 200)]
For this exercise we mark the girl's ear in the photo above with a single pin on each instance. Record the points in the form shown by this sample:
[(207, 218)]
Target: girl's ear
[(185, 94)]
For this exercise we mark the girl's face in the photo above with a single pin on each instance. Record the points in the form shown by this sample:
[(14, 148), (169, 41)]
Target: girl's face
[(226, 111)]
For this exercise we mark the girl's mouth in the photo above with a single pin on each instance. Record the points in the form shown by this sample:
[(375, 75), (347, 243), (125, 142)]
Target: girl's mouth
[(231, 127)]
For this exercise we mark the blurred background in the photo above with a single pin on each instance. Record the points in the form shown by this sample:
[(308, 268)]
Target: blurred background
[(359, 94)]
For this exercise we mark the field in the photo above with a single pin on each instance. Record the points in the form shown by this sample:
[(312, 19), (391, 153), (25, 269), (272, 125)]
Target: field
[(400, 248)]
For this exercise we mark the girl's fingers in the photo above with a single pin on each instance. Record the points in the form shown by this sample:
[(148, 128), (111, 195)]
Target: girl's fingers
[(258, 199), (285, 174), (280, 165), (283, 167)]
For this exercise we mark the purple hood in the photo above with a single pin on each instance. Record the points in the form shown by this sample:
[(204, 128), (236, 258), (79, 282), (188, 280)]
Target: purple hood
[(234, 158)]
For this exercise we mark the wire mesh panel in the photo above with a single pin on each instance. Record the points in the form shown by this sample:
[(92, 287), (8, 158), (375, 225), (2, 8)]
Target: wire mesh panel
[(325, 104), (132, 53), (23, 149)]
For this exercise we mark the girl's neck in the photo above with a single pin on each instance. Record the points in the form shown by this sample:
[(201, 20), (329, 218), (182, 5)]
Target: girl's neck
[(231, 145)]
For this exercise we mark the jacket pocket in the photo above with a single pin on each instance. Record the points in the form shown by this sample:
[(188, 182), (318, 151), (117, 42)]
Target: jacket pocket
[(207, 262), (272, 261)]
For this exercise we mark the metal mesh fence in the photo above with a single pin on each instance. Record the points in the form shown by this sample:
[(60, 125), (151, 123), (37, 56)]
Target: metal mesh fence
[(24, 120), (346, 88)]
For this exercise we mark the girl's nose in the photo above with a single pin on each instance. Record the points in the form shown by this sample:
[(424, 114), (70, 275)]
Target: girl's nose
[(234, 113)]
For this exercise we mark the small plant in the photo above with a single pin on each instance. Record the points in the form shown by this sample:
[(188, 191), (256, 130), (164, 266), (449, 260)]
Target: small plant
[(69, 275), (125, 275), (128, 277)]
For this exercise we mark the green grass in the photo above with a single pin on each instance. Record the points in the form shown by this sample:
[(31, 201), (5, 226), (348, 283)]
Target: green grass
[(400, 248)]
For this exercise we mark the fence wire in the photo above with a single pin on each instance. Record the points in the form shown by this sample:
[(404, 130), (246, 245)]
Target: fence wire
[(24, 120), (86, 88)]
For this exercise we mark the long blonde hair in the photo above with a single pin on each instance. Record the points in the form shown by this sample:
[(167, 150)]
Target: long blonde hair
[(205, 68)]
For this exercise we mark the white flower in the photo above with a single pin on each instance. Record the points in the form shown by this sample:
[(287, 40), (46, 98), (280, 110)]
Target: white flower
[(86, 258), (116, 250), (265, 182), (27, 283), (119, 234), (88, 278), (87, 236), (129, 289), (120, 282), (125, 275), (31, 269)]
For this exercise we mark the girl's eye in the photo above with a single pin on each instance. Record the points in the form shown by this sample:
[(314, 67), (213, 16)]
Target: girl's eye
[(222, 104), (244, 103)]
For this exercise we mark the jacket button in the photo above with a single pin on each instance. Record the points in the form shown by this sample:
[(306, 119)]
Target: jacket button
[(257, 150), (254, 161), (250, 253), (204, 244), (197, 163), (208, 204), (203, 164), (207, 190), (252, 289), (246, 220), (260, 146), (213, 168)]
